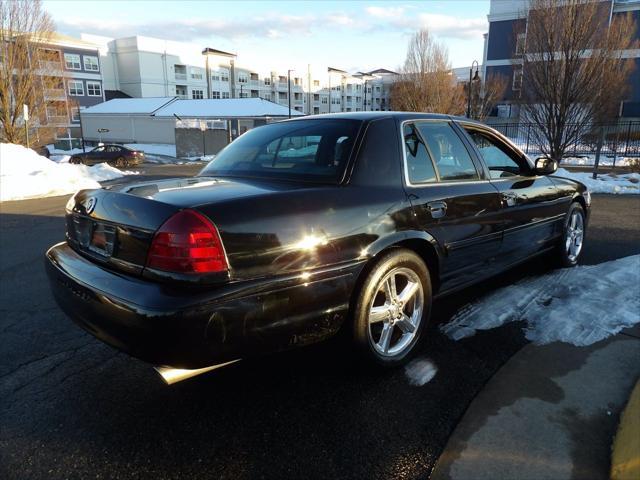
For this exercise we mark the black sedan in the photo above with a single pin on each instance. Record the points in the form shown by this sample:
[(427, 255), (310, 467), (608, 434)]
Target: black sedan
[(115, 155), (301, 228)]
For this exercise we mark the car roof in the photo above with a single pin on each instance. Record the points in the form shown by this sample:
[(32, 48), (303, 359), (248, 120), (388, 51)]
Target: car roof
[(383, 114)]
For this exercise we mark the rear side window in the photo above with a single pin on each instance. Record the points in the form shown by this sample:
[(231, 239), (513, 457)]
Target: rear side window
[(313, 150), (451, 158), (420, 168)]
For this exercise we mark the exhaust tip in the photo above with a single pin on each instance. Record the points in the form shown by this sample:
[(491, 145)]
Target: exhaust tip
[(174, 375)]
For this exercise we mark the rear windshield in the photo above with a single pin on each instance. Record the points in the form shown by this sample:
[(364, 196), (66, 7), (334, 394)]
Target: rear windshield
[(309, 150)]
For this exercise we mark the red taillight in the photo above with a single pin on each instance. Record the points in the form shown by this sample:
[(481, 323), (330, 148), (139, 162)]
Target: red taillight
[(187, 243)]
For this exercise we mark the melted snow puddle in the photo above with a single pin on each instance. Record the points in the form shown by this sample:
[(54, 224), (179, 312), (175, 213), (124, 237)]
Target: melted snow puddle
[(420, 371), (580, 305)]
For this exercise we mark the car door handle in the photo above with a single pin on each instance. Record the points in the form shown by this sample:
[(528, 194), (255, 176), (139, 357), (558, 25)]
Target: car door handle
[(509, 199), (437, 209)]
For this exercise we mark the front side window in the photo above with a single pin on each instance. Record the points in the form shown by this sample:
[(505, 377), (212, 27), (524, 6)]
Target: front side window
[(450, 156), (91, 63), (76, 88), (308, 150), (420, 168), (500, 163), (72, 61), (94, 89)]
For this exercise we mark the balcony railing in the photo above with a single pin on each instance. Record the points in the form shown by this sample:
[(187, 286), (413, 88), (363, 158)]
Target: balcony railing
[(49, 66), (55, 94), (57, 119), (181, 76)]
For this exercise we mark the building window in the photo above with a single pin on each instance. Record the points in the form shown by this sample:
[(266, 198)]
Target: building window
[(244, 95), (196, 74), (225, 94), (91, 63), (75, 113), (72, 61), (325, 100), (197, 94), (316, 83), (76, 88), (267, 96), (224, 75), (215, 77), (94, 89), (517, 80), (267, 81), (242, 79), (215, 94)]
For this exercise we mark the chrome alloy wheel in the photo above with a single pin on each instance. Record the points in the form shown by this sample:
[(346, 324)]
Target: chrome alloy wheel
[(574, 235), (396, 311)]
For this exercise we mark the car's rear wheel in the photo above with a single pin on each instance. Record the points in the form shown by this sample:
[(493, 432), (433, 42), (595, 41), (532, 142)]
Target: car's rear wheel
[(572, 242), (121, 162), (74, 160), (392, 307)]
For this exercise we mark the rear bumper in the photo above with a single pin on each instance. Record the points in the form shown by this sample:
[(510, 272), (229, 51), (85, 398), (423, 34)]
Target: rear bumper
[(187, 327)]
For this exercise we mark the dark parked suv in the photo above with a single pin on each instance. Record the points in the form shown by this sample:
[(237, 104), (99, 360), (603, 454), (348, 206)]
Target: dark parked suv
[(300, 228)]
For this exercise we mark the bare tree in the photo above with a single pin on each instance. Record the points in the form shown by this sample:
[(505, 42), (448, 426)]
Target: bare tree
[(425, 83), (574, 70), (486, 96), (23, 65)]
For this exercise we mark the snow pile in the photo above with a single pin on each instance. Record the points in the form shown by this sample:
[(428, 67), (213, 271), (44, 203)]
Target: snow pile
[(154, 148), (628, 183), (590, 160), (420, 371), (25, 174), (580, 305)]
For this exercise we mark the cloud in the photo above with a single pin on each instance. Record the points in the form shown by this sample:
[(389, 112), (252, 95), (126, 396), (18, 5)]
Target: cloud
[(373, 19), (385, 12)]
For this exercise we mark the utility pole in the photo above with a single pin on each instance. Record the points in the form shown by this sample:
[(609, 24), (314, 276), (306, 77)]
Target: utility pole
[(475, 78), (289, 89)]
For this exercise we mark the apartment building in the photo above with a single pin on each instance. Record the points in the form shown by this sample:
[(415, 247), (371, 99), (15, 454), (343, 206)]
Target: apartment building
[(72, 80), (151, 67), (504, 46)]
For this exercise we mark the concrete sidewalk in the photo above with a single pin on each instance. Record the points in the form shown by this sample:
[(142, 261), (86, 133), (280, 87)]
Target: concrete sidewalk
[(550, 412)]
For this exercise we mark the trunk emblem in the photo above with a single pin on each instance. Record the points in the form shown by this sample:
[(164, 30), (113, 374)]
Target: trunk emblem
[(90, 204)]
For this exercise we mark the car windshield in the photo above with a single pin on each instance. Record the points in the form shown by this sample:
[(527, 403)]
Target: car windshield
[(308, 150)]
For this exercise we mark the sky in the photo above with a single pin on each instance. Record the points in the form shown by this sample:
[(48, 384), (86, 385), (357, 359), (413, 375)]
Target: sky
[(350, 35)]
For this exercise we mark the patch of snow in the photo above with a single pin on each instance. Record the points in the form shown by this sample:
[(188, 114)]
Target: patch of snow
[(420, 371), (25, 174), (580, 305), (154, 148), (590, 160), (130, 105), (628, 183), (221, 108)]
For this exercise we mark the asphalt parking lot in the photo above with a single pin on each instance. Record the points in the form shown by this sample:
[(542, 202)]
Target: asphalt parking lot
[(74, 408)]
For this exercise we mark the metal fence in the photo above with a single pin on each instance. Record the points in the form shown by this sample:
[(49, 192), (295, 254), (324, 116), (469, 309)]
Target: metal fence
[(620, 139)]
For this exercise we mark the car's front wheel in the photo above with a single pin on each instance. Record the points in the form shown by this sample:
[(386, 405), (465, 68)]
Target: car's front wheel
[(571, 245), (392, 307)]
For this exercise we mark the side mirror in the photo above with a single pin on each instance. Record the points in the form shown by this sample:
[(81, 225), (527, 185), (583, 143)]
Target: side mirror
[(545, 166)]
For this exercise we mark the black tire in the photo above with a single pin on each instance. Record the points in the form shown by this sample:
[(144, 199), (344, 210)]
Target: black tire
[(74, 160), (565, 257), (396, 260), (120, 162)]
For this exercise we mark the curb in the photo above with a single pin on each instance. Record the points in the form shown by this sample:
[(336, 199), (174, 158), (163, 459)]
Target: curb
[(625, 457)]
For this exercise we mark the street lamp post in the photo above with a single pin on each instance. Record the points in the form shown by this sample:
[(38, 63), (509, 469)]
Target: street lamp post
[(474, 79), (289, 89)]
